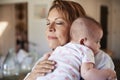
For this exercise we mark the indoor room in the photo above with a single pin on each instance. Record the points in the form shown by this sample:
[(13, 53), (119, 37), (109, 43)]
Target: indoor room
[(22, 33)]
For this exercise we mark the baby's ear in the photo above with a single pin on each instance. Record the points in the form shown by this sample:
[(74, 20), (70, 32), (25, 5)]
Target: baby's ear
[(83, 40)]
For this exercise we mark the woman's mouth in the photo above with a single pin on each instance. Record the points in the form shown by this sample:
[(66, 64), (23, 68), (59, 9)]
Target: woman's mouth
[(52, 37)]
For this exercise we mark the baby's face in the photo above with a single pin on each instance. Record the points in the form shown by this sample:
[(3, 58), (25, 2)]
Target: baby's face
[(94, 43)]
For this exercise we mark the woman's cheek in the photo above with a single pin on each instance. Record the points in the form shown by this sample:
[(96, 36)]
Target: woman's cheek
[(62, 37)]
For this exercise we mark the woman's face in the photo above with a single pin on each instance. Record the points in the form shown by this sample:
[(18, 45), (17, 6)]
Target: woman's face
[(57, 31)]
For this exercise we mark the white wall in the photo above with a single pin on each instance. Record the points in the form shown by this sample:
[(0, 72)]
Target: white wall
[(116, 28), (92, 7), (36, 27)]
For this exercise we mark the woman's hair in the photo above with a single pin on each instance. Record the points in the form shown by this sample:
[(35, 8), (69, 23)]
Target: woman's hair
[(69, 9)]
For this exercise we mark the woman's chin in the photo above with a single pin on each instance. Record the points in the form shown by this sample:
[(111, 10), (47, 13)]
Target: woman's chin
[(52, 45)]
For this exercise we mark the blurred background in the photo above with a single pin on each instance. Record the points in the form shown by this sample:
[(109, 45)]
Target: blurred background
[(23, 24)]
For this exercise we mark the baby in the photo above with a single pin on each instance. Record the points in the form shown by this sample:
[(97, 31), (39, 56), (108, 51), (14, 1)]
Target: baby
[(78, 55)]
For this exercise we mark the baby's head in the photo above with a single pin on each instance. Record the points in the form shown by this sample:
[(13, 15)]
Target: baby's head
[(88, 32)]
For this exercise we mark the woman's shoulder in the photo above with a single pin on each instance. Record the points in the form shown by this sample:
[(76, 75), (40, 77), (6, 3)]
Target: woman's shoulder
[(102, 54), (103, 60)]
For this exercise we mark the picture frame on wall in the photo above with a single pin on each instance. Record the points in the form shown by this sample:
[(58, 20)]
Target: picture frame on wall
[(40, 11)]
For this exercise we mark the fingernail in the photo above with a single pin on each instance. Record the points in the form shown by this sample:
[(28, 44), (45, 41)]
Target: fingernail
[(53, 62), (52, 67), (42, 74), (50, 70)]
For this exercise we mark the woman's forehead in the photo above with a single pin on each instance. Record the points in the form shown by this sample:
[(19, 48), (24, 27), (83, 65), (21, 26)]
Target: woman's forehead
[(55, 14)]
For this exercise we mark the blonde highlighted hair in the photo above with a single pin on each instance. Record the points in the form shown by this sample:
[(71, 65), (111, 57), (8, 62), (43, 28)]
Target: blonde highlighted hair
[(69, 9)]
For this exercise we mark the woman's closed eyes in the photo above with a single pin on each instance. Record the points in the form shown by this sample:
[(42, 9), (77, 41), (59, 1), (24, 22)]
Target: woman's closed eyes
[(57, 22)]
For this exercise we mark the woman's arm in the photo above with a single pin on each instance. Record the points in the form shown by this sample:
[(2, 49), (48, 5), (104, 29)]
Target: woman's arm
[(41, 68)]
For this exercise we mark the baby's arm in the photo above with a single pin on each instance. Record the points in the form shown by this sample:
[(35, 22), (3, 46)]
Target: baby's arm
[(88, 72), (109, 74)]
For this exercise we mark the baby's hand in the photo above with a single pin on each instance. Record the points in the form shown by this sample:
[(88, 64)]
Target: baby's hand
[(111, 74)]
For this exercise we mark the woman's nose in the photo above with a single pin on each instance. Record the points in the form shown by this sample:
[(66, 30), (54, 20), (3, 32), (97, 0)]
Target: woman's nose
[(51, 27)]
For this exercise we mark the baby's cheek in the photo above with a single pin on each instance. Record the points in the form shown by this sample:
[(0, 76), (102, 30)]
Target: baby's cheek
[(97, 51)]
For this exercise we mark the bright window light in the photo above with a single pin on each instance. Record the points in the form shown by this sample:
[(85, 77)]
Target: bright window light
[(3, 26)]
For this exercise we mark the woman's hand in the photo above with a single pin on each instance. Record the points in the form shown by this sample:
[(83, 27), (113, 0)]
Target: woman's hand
[(45, 66), (41, 68)]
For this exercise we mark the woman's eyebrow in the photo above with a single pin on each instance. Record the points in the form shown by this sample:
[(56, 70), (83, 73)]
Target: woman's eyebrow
[(61, 18), (58, 18)]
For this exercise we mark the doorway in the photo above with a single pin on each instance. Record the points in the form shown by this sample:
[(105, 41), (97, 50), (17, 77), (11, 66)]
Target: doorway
[(16, 34), (104, 23)]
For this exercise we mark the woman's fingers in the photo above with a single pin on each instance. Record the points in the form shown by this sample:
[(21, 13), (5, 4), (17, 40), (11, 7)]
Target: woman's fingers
[(47, 66), (42, 71), (44, 67), (47, 62), (47, 55)]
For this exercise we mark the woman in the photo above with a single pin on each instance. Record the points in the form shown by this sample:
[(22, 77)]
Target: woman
[(59, 21)]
